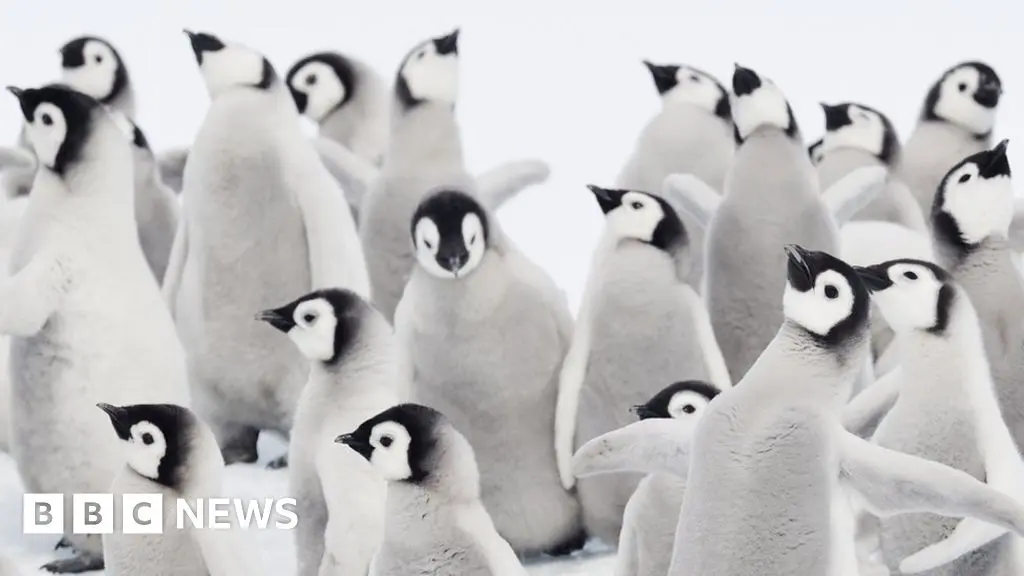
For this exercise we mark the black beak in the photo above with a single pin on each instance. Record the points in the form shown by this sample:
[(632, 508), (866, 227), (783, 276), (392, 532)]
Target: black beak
[(664, 76), (798, 269), (607, 199), (16, 91), (448, 44), (453, 262), (998, 164), (363, 448), (835, 116), (988, 95), (202, 42), (875, 278), (118, 418), (277, 318), (744, 80), (643, 412)]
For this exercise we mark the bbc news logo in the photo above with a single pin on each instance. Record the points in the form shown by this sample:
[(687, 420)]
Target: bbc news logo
[(144, 513)]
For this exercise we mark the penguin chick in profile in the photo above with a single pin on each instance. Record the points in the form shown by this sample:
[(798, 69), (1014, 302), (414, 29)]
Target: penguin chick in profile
[(170, 452), (352, 378), (639, 324), (945, 408), (649, 523), (957, 120), (262, 220), (484, 332), (691, 133), (773, 447), (435, 523), (77, 265), (94, 67)]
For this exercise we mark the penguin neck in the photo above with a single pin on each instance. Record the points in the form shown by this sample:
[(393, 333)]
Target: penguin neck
[(824, 373), (372, 353), (427, 132), (960, 342)]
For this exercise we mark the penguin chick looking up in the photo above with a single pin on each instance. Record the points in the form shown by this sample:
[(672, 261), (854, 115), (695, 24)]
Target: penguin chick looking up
[(975, 201), (758, 104), (226, 66), (850, 125), (430, 73)]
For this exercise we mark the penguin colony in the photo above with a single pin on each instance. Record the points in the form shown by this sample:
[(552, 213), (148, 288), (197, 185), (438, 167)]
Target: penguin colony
[(841, 394)]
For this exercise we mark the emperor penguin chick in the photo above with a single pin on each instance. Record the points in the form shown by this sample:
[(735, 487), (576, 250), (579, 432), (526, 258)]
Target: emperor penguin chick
[(156, 205), (435, 523), (946, 410), (76, 266), (94, 67), (352, 378), (484, 332), (692, 133)]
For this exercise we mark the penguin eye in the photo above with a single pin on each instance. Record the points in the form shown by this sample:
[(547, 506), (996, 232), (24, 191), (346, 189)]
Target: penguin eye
[(695, 78), (831, 292), (309, 318), (428, 244), (47, 120), (420, 55), (311, 80), (386, 441), (98, 58), (472, 239), (909, 275), (689, 409), (636, 205), (962, 87), (147, 438), (964, 178)]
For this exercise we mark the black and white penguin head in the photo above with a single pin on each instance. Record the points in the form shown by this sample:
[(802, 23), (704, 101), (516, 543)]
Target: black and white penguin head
[(824, 296), (227, 65), (430, 72), (912, 294), (323, 324), (758, 103), (635, 215), (966, 95), (93, 66), (401, 443), (59, 123), (816, 152), (975, 199), (321, 83), (158, 439), (450, 234), (686, 399), (850, 125), (688, 85)]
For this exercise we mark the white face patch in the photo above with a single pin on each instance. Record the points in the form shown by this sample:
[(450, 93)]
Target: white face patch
[(866, 132), (637, 217), (97, 75), (232, 66), (473, 238), (390, 457), (322, 87), (687, 404), (47, 131), (822, 307), (695, 88), (313, 332), (765, 106), (145, 449), (981, 207), (431, 76), (911, 302), (428, 242), (956, 102)]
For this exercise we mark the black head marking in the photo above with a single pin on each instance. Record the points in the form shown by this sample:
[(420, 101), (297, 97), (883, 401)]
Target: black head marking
[(138, 138), (744, 81), (814, 147), (657, 406), (990, 89), (447, 209), (838, 116), (78, 110), (349, 310), (444, 45), (665, 76), (342, 67), (175, 422), (877, 279), (991, 164), (269, 75), (803, 268), (72, 55), (448, 44), (668, 235), (422, 424), (202, 43)]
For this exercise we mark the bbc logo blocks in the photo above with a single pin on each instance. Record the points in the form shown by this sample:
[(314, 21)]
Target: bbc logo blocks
[(92, 514)]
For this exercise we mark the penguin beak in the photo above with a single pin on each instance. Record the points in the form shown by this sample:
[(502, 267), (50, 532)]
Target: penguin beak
[(798, 269), (352, 441), (988, 94), (835, 116), (202, 42), (744, 80), (448, 44), (875, 278), (998, 164), (643, 412), (277, 318), (18, 92), (607, 199), (118, 418), (453, 262)]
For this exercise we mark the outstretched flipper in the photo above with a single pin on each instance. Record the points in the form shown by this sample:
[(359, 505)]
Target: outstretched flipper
[(654, 445), (81, 562), (15, 158), (693, 195), (30, 296), (501, 183), (862, 414), (854, 191), (570, 383), (18, 169), (175, 266), (353, 173), (171, 164), (714, 361), (968, 536)]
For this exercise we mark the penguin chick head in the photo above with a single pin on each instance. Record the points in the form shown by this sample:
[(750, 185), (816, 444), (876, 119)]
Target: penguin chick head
[(450, 234), (757, 103), (635, 215), (93, 66), (686, 399), (687, 85), (401, 443), (227, 65), (157, 437), (975, 200), (912, 294), (816, 152), (849, 125), (430, 72), (824, 296), (321, 83), (323, 324), (966, 95)]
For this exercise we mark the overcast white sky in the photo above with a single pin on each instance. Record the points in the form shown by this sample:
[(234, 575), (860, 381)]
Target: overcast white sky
[(557, 80)]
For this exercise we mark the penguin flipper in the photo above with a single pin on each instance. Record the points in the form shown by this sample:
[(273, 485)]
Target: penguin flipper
[(13, 157), (714, 361), (969, 535), (655, 445), (854, 191), (171, 165), (693, 195), (862, 414), (175, 266), (30, 296), (570, 382), (1017, 227), (354, 174), (501, 183)]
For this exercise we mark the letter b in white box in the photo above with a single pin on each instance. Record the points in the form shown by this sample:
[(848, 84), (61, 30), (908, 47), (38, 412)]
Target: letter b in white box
[(142, 513), (42, 514), (92, 514)]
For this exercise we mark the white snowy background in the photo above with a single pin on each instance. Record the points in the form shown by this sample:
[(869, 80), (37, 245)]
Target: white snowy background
[(562, 81)]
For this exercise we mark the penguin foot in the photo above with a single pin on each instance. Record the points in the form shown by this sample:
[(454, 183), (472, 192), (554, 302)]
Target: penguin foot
[(571, 544), (62, 543), (278, 463), (238, 454), (83, 562), (239, 444)]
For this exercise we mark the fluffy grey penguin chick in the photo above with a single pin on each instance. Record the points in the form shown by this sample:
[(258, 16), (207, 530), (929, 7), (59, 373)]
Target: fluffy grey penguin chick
[(77, 266), (424, 154), (649, 523), (483, 333), (353, 377), (692, 133), (769, 466), (435, 521)]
